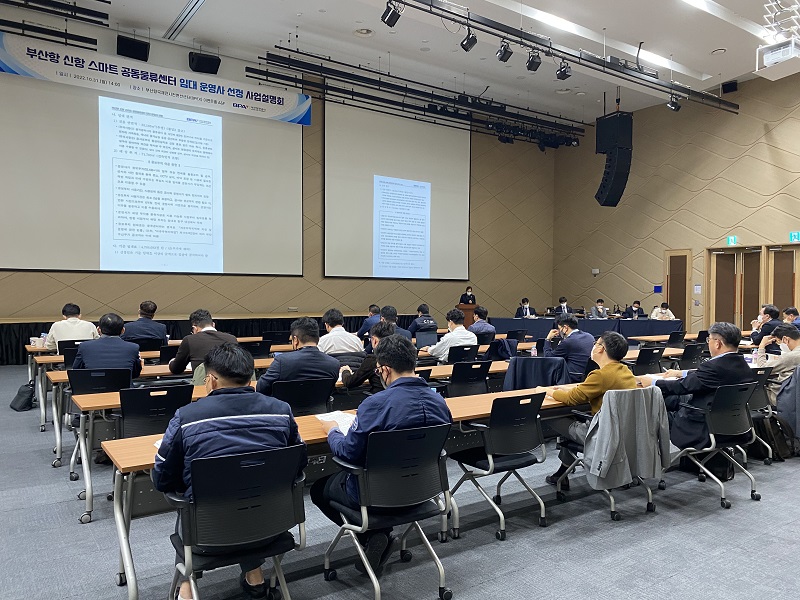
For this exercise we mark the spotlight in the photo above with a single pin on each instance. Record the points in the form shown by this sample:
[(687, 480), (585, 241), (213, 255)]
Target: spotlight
[(673, 104), (575, 142), (391, 15), (468, 43), (504, 52), (564, 71), (541, 146), (534, 61)]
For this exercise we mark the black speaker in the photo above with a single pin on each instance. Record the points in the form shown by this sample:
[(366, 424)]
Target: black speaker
[(730, 86), (614, 131), (615, 176), (204, 63), (131, 48)]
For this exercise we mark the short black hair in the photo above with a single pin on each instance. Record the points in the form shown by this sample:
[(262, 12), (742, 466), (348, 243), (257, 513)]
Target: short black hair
[(111, 324), (455, 315), (231, 362), (729, 333), (148, 308), (397, 353), (562, 299), (771, 310), (786, 330), (481, 312), (382, 329), (374, 309), (423, 308), (791, 310), (305, 329), (600, 300), (469, 287), (567, 319), (71, 310), (616, 345), (635, 302), (664, 305), (333, 317), (524, 301), (389, 313), (200, 318)]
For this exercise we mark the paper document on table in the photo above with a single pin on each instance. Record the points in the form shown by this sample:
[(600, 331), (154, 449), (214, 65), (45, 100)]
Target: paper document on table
[(343, 420), (157, 443)]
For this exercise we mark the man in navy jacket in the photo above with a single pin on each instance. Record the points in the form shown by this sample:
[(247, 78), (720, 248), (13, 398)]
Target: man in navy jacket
[(406, 402), (575, 346), (109, 351), (145, 328), (205, 428)]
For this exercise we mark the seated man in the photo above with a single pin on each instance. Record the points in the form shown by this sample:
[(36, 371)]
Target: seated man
[(306, 362), (635, 310), (352, 379), (424, 321), (783, 366), (791, 315), (71, 327), (145, 328), (194, 347), (480, 324), (599, 310), (389, 315), (563, 308), (697, 387), (456, 336), (372, 319), (205, 429), (406, 402), (663, 313), (525, 310), (607, 352), (575, 347), (338, 340), (762, 326), (109, 351)]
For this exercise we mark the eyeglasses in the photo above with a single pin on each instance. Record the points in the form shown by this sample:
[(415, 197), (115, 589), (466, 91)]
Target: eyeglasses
[(211, 376), (599, 345), (378, 369)]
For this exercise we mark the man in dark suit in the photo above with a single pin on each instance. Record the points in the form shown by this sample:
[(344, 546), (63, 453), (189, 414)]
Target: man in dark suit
[(467, 297), (563, 308), (389, 315), (145, 328), (306, 362), (575, 347), (697, 387), (424, 321), (372, 319), (194, 347), (635, 309), (109, 351), (525, 310), (768, 320)]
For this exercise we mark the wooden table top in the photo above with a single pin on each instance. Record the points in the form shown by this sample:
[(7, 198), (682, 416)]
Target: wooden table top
[(659, 338), (36, 349), (54, 359)]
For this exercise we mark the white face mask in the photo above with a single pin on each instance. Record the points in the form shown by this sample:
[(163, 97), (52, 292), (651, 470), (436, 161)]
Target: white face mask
[(785, 348), (563, 304), (664, 311), (525, 306)]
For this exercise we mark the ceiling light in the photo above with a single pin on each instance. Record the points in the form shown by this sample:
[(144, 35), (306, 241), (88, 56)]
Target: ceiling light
[(673, 103), (504, 52), (468, 43), (719, 51), (563, 91), (564, 71), (391, 15), (534, 61), (363, 32)]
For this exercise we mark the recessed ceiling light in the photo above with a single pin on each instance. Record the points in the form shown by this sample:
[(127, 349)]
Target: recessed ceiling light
[(563, 91), (392, 32), (424, 41), (322, 10), (299, 14), (363, 32), (425, 49), (483, 58), (520, 76), (719, 51), (359, 22), (580, 93)]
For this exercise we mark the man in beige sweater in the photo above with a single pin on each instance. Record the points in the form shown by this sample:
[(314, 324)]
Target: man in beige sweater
[(607, 352), (71, 327), (783, 366)]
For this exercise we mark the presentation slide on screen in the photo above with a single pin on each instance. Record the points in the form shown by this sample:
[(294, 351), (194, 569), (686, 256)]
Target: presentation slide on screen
[(396, 197), (160, 188)]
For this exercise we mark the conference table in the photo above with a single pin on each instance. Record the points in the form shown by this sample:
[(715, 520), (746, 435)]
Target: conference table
[(540, 326)]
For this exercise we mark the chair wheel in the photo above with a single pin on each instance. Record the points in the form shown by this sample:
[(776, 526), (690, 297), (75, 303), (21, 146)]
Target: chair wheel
[(445, 593), (73, 477), (561, 496), (442, 537), (767, 461), (755, 495), (120, 579), (85, 518), (110, 497), (78, 460), (329, 574), (725, 503), (42, 428), (701, 477), (662, 485), (542, 521), (405, 555), (273, 594), (54, 450), (651, 507), (82, 495), (497, 500), (56, 463), (455, 533), (500, 535), (615, 516)]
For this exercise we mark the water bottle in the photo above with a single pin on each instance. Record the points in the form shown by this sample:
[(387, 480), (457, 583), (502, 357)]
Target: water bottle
[(534, 352), (754, 357)]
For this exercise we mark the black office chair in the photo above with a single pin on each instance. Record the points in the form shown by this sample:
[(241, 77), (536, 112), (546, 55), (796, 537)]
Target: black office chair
[(403, 481), (166, 354), (691, 357), (95, 381), (469, 378), (458, 354), (760, 408), (676, 339), (512, 435), (276, 337), (426, 338), (729, 425), (485, 338), (147, 411), (306, 396), (244, 507), (146, 344), (517, 334), (647, 362), (590, 366), (69, 357), (702, 337), (64, 344), (257, 349)]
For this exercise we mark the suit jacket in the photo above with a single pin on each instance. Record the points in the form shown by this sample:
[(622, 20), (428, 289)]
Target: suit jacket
[(467, 299), (576, 350), (306, 363), (599, 313), (766, 329), (560, 309), (519, 314), (628, 312), (145, 329), (688, 428), (400, 331), (194, 348), (108, 352)]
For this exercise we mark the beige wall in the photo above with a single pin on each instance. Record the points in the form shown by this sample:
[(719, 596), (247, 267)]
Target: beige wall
[(697, 176), (510, 255)]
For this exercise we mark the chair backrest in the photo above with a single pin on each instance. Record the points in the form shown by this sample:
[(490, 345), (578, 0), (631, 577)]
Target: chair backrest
[(469, 378), (590, 366), (458, 354), (305, 396), (702, 336), (730, 414), (146, 344), (514, 425), (485, 338), (759, 398), (517, 334), (69, 357), (540, 346), (62, 345), (257, 349), (424, 373), (648, 361), (676, 339), (426, 338), (276, 337), (166, 354), (405, 467), (95, 381), (147, 411), (246, 498), (690, 359)]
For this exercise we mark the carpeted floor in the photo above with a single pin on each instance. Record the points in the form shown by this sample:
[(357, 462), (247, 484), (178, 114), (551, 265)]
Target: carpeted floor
[(690, 548)]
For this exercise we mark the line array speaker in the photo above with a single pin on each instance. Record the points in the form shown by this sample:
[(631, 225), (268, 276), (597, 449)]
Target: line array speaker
[(131, 48), (615, 176), (204, 63)]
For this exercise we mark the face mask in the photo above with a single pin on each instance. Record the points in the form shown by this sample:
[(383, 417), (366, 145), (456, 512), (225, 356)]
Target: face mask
[(785, 348), (663, 311), (563, 304), (524, 306)]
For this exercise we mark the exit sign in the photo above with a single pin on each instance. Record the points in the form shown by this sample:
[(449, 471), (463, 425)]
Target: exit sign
[(732, 240), (794, 237)]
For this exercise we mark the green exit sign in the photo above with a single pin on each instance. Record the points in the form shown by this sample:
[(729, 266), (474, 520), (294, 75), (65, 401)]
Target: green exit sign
[(794, 237), (732, 240)]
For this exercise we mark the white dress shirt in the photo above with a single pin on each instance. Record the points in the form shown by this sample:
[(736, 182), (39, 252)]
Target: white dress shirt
[(665, 316), (339, 341), (458, 337), (70, 329)]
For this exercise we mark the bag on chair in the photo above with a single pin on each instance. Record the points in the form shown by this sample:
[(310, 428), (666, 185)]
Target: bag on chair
[(24, 399)]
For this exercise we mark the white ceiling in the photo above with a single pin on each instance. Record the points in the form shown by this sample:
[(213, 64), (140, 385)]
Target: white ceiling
[(247, 28)]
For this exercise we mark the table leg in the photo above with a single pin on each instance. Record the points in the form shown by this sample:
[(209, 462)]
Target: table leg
[(40, 379), (57, 424), (121, 508), (31, 367), (84, 435)]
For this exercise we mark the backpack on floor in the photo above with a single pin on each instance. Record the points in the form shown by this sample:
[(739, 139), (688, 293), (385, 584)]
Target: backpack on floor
[(720, 466), (776, 432), (24, 399)]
